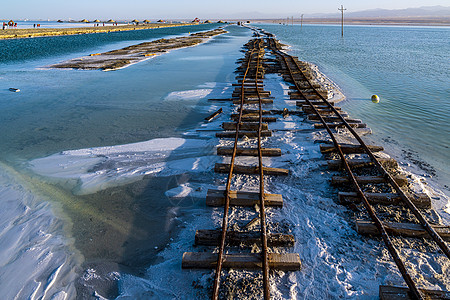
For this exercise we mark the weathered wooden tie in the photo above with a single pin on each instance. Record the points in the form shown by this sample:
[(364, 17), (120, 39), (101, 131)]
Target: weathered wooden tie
[(203, 260), (249, 84), (254, 101), (253, 118), (227, 151), (332, 119), (213, 115), (402, 293), (419, 200), (401, 180), (248, 238), (313, 102), (308, 107), (232, 134), (324, 112), (242, 198), (362, 162), (244, 126), (349, 148), (336, 125), (402, 229), (238, 169)]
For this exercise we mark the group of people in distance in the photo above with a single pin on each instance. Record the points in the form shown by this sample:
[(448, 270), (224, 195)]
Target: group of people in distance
[(97, 24), (9, 24), (12, 24)]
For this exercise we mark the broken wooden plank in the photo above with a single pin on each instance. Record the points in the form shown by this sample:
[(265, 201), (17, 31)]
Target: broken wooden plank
[(244, 126), (248, 151), (238, 169), (403, 293), (401, 180), (349, 148), (362, 162), (234, 238), (232, 134), (213, 115), (402, 229), (242, 198), (252, 261), (420, 200)]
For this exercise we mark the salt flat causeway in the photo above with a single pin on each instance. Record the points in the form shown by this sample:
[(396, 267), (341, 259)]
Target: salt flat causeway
[(20, 32), (113, 184)]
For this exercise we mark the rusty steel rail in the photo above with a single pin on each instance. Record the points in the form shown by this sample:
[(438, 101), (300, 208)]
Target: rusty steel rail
[(388, 177), (255, 50), (262, 212), (393, 251)]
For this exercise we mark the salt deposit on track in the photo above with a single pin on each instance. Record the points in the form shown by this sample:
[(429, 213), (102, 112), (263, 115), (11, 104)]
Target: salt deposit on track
[(336, 261)]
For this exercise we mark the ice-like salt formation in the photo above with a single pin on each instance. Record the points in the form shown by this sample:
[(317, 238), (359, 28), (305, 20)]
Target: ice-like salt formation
[(90, 170)]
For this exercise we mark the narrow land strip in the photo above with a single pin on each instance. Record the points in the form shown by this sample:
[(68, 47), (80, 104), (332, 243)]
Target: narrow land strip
[(18, 33), (120, 58)]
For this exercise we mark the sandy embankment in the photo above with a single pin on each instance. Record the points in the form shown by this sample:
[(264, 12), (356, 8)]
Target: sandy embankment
[(37, 32), (120, 58)]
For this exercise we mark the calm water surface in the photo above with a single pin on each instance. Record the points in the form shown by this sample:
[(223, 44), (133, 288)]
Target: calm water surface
[(408, 67), (118, 229)]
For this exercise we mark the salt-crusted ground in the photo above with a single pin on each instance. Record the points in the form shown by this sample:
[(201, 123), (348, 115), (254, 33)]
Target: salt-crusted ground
[(336, 261), (120, 58)]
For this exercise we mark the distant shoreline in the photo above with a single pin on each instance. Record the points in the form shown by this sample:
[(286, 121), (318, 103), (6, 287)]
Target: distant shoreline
[(365, 21), (40, 32)]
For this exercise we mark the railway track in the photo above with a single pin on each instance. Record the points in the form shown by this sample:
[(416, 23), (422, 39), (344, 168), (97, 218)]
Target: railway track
[(249, 121), (369, 181), (314, 103)]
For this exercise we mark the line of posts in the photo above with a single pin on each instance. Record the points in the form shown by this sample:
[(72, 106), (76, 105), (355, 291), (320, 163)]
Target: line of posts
[(341, 9)]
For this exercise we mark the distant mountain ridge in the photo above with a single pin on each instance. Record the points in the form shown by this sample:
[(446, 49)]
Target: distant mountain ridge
[(424, 11)]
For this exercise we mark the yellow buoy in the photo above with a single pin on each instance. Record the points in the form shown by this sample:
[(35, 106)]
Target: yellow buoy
[(375, 99)]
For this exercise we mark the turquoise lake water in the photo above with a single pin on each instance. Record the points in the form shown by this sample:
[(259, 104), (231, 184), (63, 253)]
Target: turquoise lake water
[(59, 110), (408, 67), (56, 108)]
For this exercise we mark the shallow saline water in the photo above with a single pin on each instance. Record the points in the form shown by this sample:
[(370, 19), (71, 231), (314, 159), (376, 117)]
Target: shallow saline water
[(407, 67), (104, 174), (58, 110)]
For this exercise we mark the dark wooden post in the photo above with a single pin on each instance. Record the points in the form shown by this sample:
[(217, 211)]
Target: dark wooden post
[(342, 20)]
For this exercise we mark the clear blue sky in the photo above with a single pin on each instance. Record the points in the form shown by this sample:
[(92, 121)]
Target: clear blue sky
[(105, 9)]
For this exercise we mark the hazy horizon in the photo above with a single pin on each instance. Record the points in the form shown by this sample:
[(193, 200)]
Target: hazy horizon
[(178, 9)]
